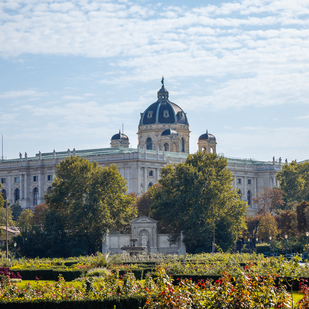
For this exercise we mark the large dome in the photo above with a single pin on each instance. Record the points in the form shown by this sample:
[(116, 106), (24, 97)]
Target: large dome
[(163, 111)]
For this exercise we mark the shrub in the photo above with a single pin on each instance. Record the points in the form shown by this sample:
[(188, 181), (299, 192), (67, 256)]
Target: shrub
[(262, 248), (98, 272)]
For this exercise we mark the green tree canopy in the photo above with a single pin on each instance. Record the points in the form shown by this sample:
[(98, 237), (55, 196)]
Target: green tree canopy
[(294, 181), (25, 219), (267, 227), (197, 198), (88, 200), (144, 202), (3, 216)]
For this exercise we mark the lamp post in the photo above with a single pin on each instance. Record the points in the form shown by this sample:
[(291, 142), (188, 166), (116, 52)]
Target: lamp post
[(270, 244), (249, 244), (286, 243), (6, 233), (307, 235)]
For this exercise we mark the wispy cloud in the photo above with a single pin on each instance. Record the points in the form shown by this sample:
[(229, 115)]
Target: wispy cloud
[(14, 94)]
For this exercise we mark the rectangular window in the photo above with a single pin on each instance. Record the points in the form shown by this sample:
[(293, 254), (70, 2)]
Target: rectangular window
[(249, 181), (239, 181), (151, 173), (16, 179), (35, 178), (49, 177), (3, 180)]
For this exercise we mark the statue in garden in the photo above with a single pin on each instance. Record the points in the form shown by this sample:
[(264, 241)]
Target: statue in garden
[(144, 240)]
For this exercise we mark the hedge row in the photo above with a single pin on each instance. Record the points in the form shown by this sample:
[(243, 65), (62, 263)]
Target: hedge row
[(49, 274), (138, 273), (122, 303)]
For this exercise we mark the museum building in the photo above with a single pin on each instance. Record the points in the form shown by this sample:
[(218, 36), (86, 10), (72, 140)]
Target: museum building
[(163, 137)]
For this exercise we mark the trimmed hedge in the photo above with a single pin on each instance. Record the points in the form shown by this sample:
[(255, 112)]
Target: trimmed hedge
[(122, 303), (49, 274), (138, 273)]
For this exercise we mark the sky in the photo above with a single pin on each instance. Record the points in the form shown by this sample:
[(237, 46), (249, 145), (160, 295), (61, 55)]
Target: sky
[(72, 72)]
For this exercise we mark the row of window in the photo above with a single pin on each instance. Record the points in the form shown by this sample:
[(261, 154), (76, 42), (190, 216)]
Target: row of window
[(166, 146), (249, 196), (239, 181), (35, 178), (35, 194)]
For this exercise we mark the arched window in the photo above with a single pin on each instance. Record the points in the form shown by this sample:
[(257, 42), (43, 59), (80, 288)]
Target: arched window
[(166, 147), (149, 143), (49, 188), (35, 196), (249, 199), (239, 193), (211, 150), (16, 195), (182, 145), (204, 149), (4, 194), (174, 147), (150, 184)]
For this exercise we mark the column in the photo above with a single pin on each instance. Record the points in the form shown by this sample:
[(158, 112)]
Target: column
[(9, 196), (40, 187), (145, 180), (138, 181), (21, 196), (25, 187), (245, 193)]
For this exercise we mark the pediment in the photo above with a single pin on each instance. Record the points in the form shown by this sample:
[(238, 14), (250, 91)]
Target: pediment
[(143, 219)]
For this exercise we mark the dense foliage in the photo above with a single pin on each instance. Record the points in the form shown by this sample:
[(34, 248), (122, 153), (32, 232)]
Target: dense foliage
[(294, 181), (197, 198), (85, 201)]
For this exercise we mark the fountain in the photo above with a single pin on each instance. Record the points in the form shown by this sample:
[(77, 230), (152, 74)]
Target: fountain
[(133, 249)]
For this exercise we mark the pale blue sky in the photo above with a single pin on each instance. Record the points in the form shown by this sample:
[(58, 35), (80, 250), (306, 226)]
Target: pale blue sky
[(71, 72)]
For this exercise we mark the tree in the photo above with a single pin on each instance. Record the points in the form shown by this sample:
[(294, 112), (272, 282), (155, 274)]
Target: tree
[(144, 202), (24, 220), (287, 223), (86, 201), (294, 181), (197, 198), (301, 216), (3, 216), (269, 200), (252, 225), (16, 211), (267, 227), (39, 214)]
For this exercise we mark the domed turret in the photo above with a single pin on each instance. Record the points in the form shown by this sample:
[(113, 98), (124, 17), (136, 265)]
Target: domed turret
[(156, 121), (207, 142), (120, 140)]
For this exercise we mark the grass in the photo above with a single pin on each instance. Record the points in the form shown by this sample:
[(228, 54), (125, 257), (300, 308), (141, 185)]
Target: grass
[(25, 283)]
